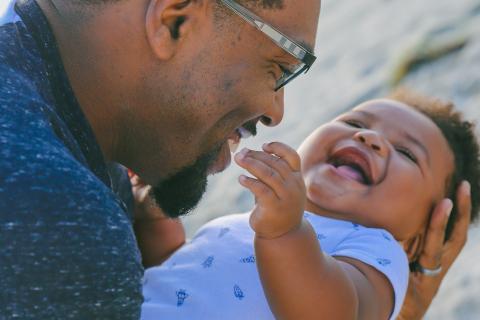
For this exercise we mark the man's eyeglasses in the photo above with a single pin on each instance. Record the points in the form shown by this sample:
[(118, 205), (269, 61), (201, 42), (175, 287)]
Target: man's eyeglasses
[(305, 57)]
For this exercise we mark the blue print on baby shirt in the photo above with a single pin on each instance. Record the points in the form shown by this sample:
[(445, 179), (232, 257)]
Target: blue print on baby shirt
[(223, 231), (386, 236), (208, 262), (181, 296), (356, 226), (383, 262), (250, 259), (238, 292), (321, 236)]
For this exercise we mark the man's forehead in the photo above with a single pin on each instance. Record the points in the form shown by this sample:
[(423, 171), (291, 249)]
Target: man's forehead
[(298, 20)]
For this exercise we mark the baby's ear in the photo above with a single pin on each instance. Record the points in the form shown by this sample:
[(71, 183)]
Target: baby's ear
[(413, 247)]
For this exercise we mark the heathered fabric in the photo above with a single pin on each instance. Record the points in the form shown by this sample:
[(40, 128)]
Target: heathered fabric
[(67, 247)]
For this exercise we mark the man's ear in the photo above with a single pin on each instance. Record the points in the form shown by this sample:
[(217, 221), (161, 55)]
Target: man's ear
[(167, 22), (413, 247)]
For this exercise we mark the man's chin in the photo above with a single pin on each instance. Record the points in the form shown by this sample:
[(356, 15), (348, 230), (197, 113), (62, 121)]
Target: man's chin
[(181, 192), (177, 199), (222, 161)]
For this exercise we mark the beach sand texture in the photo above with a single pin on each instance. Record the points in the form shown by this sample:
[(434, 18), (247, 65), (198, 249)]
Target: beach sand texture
[(361, 46)]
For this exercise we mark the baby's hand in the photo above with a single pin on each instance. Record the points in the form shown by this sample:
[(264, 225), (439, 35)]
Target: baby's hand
[(279, 188)]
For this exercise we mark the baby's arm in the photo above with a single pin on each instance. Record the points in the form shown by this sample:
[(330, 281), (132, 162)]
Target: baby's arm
[(299, 281), (157, 235)]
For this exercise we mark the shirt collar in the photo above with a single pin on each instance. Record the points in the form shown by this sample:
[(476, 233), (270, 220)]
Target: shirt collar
[(66, 103)]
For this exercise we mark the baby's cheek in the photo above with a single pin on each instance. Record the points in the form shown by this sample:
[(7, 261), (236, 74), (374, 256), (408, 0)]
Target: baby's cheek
[(319, 189), (314, 186)]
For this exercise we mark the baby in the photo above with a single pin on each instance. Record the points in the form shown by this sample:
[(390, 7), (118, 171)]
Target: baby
[(334, 226)]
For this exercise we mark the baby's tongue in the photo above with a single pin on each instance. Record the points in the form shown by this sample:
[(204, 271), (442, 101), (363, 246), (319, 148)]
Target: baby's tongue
[(351, 173)]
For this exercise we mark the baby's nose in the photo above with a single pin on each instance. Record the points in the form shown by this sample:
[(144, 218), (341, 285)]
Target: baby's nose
[(373, 140)]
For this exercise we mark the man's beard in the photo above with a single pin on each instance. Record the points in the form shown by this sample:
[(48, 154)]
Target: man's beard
[(180, 193)]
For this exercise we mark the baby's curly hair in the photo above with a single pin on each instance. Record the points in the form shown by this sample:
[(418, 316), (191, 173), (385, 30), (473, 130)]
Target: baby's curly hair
[(462, 140)]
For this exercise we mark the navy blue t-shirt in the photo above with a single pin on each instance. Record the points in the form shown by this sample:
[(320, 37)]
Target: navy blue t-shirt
[(67, 246)]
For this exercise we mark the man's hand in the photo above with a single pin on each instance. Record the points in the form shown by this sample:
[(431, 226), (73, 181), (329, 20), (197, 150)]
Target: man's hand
[(279, 189), (422, 288), (158, 236), (145, 207)]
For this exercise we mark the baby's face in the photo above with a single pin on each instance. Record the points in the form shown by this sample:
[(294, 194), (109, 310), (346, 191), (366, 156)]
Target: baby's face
[(383, 164)]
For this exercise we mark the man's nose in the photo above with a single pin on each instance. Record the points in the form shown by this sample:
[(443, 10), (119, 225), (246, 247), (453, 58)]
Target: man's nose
[(274, 114), (373, 140)]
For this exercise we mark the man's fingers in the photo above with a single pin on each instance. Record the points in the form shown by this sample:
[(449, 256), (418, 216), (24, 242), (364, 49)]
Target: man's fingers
[(432, 250), (464, 206), (135, 180), (285, 152)]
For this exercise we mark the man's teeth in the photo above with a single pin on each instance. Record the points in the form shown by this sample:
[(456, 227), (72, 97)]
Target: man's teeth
[(233, 145), (244, 133)]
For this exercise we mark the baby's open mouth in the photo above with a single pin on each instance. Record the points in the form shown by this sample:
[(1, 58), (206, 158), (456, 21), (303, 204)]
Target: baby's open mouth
[(353, 164)]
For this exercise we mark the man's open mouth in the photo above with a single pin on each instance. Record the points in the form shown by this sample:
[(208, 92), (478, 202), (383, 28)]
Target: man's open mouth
[(354, 164), (235, 138), (224, 152)]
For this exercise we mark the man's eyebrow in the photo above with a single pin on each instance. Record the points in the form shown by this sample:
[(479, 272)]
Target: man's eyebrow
[(306, 46)]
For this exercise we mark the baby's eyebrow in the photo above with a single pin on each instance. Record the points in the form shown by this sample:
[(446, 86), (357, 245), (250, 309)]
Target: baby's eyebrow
[(420, 145), (366, 114)]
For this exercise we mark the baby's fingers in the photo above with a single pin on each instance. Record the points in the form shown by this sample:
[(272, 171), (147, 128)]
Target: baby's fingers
[(259, 189), (262, 171), (276, 163), (285, 152)]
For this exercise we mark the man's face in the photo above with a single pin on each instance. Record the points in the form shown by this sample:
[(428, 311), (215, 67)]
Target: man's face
[(383, 164), (219, 84)]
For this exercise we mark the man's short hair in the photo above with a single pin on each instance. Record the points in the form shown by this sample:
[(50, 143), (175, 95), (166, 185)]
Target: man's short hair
[(266, 4)]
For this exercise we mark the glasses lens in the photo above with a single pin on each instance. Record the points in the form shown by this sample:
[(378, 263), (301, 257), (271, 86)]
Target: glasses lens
[(290, 75)]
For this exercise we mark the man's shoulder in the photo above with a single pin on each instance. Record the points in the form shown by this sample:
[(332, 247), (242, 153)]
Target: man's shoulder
[(22, 69), (33, 158), (18, 48), (57, 216), (37, 150), (35, 161), (68, 248), (21, 101)]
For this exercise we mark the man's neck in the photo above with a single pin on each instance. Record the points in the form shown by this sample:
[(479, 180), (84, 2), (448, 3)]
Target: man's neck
[(87, 68)]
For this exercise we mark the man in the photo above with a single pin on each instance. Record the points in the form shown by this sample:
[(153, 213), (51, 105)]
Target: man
[(160, 86)]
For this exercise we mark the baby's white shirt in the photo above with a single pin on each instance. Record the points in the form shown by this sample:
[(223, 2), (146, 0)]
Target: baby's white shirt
[(214, 276)]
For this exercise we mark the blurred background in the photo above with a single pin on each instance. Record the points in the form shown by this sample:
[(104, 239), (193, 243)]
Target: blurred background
[(364, 49)]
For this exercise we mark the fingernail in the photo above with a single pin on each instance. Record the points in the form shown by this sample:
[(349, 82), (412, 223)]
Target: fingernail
[(242, 153), (449, 207), (467, 187)]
